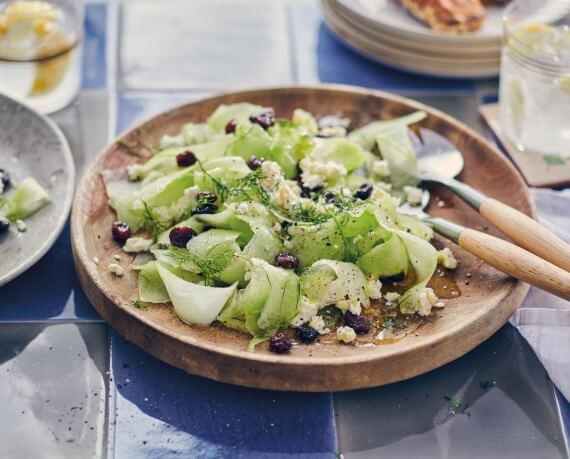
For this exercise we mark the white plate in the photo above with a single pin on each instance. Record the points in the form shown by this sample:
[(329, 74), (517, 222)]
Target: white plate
[(390, 16), (417, 63), (420, 46), (31, 145)]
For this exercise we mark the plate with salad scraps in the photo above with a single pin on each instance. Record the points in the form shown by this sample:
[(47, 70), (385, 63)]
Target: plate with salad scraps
[(254, 238), (37, 177)]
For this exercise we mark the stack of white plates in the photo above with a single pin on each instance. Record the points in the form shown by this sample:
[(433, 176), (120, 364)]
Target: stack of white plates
[(384, 31)]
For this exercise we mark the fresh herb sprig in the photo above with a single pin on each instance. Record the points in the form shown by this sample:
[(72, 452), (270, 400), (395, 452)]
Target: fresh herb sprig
[(152, 223), (210, 265)]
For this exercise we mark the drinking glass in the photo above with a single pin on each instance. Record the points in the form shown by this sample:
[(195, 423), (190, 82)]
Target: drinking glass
[(535, 76), (40, 51)]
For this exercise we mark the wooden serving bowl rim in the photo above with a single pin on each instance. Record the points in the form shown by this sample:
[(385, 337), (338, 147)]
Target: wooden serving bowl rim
[(512, 295)]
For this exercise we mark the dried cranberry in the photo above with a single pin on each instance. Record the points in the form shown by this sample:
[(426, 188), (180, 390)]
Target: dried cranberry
[(364, 191), (180, 235), (206, 197), (265, 119), (359, 324), (4, 225), (279, 343), (307, 334), (287, 260), (121, 232), (329, 197), (186, 159), (5, 179), (231, 126), (254, 163), (395, 278), (205, 209)]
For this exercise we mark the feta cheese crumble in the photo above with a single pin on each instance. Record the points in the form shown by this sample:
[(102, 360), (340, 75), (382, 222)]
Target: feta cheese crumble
[(381, 168), (374, 289), (316, 173), (333, 131), (134, 171), (318, 324), (426, 299), (345, 334), (116, 269), (352, 305), (413, 195), (446, 258), (137, 244), (307, 310), (21, 226), (391, 297)]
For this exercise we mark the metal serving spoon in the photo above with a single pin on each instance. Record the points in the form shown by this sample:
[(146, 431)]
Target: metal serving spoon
[(503, 255), (440, 161)]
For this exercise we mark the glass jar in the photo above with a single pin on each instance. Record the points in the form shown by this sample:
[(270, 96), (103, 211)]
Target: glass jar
[(535, 76), (40, 51)]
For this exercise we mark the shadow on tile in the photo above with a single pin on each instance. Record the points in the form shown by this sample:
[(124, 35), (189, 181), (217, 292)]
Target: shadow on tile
[(499, 403), (162, 411), (48, 290)]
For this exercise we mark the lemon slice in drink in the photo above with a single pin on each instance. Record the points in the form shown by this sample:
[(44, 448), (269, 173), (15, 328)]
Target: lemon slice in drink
[(30, 30)]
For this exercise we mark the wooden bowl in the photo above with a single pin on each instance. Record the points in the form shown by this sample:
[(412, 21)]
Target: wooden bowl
[(488, 297)]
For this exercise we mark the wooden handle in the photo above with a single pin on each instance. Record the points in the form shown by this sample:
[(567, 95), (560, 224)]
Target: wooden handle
[(517, 262), (527, 233)]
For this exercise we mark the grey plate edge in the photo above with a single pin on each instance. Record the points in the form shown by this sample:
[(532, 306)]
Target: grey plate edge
[(68, 199)]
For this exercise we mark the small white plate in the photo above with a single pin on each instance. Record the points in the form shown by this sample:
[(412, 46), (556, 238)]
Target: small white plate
[(31, 145)]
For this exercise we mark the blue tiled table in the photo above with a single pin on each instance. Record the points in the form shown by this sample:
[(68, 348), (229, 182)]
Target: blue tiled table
[(85, 392)]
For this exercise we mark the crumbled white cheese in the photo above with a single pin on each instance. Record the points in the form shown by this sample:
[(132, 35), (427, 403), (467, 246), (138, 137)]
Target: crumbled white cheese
[(302, 118), (391, 297), (318, 324), (272, 174), (137, 244), (171, 141), (378, 194), (345, 334), (117, 257), (352, 305), (134, 171), (317, 173), (446, 258), (346, 192), (381, 168), (307, 310), (426, 299), (116, 269), (96, 260), (333, 131), (374, 289), (413, 195), (439, 304), (21, 226), (287, 194)]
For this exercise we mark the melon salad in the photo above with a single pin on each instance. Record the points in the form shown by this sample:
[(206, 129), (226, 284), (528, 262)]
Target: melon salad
[(273, 226)]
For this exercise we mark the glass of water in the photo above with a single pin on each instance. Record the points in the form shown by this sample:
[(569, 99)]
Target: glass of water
[(535, 76), (40, 51)]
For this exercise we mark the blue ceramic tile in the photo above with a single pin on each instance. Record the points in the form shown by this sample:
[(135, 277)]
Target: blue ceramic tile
[(134, 107), (163, 412), (320, 57), (53, 390), (503, 406), (47, 291), (94, 47)]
